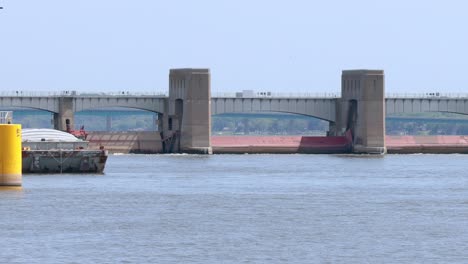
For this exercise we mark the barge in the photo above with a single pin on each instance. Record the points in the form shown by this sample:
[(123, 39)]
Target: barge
[(54, 151), (282, 144)]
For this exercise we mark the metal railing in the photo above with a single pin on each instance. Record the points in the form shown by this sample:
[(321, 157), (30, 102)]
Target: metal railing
[(273, 95), (244, 94), (427, 95), (20, 93), (54, 145)]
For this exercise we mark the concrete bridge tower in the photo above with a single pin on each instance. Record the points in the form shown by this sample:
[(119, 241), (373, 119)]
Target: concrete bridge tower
[(65, 116), (189, 110), (362, 109)]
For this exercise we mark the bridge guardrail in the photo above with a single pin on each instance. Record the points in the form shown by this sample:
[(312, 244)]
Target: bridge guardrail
[(20, 93), (431, 95), (245, 94), (273, 95), (123, 94)]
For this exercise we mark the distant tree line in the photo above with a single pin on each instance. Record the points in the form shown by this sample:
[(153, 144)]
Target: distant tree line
[(248, 125), (268, 126)]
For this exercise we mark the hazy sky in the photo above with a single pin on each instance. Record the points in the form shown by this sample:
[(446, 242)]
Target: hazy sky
[(264, 45)]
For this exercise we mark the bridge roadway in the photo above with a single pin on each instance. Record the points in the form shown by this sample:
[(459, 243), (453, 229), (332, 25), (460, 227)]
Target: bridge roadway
[(319, 106), (82, 102)]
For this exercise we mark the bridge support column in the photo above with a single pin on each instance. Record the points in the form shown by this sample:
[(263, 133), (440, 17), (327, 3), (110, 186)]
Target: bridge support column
[(66, 116), (189, 110), (108, 122), (362, 109)]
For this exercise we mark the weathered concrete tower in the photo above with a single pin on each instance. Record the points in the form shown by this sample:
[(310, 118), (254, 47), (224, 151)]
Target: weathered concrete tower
[(362, 109), (65, 115), (189, 110)]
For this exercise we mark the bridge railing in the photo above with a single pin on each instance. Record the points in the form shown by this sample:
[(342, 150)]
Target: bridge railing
[(274, 95), (248, 94), (20, 93), (123, 94), (426, 95)]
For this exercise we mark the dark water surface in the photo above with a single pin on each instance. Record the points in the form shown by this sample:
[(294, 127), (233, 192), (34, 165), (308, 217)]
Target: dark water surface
[(243, 209)]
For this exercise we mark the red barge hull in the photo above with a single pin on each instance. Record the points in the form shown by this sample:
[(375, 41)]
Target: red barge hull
[(147, 143), (280, 144), (426, 144)]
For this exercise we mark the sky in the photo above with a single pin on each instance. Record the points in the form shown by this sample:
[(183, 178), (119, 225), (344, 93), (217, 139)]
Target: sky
[(263, 45)]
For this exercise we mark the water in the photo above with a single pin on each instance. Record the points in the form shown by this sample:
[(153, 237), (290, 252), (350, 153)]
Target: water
[(243, 209)]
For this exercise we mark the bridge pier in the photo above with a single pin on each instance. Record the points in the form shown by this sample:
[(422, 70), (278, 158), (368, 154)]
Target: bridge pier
[(331, 129), (108, 122), (189, 111), (362, 109), (65, 116)]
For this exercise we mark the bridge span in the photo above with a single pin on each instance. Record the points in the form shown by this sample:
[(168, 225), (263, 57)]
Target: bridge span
[(427, 103), (184, 115), (319, 106)]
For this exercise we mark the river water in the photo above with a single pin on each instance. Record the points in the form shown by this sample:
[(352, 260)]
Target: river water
[(243, 209)]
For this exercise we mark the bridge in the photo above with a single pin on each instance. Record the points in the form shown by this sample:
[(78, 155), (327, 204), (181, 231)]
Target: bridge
[(185, 113), (433, 102)]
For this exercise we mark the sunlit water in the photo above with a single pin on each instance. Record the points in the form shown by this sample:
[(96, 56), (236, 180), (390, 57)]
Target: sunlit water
[(243, 209)]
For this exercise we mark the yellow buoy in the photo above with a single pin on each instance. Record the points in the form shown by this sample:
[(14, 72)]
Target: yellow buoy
[(10, 155)]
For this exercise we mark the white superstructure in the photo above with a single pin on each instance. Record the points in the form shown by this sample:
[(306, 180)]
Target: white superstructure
[(48, 135)]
